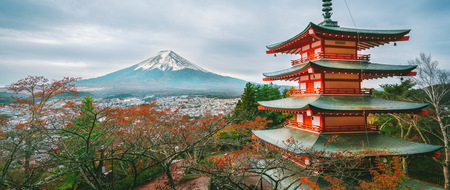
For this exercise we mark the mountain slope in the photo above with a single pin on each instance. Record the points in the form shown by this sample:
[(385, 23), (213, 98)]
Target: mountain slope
[(167, 71)]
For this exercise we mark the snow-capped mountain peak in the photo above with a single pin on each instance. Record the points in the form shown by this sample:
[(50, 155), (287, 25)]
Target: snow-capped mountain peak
[(167, 60)]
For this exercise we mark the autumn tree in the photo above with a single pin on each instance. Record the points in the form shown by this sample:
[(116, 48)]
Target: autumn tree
[(25, 144), (147, 139), (402, 125), (435, 82)]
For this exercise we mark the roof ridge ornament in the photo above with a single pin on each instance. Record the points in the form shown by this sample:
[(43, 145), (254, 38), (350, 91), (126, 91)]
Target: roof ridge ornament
[(327, 14)]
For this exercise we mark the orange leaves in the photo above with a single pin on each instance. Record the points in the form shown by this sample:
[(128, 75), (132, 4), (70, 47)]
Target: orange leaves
[(332, 139), (40, 87), (21, 125), (313, 185), (258, 123), (3, 121), (387, 175), (2, 135), (335, 183)]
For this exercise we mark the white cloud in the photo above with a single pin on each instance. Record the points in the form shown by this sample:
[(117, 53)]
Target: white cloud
[(228, 37)]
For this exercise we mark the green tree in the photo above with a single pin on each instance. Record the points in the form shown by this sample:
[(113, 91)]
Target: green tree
[(434, 82), (83, 145), (247, 106), (399, 92)]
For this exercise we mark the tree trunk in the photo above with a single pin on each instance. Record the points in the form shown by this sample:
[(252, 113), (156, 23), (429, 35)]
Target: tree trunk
[(170, 177), (405, 165), (445, 169), (446, 140)]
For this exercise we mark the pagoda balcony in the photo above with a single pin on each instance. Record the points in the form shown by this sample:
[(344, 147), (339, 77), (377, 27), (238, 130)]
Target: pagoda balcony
[(333, 129), (301, 92), (304, 127), (318, 56)]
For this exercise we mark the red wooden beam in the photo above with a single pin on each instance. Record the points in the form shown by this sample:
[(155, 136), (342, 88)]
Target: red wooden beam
[(423, 112), (262, 108), (411, 74), (404, 38), (270, 52)]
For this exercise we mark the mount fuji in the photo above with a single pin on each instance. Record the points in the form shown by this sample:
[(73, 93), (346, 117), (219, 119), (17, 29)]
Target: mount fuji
[(167, 71)]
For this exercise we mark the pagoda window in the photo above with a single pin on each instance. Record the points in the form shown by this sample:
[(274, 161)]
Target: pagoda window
[(300, 118), (304, 55), (317, 51), (317, 84), (315, 120), (303, 85)]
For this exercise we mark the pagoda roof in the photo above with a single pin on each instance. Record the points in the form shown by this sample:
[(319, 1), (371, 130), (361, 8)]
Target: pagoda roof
[(343, 66), (288, 177), (368, 38), (329, 103), (367, 144)]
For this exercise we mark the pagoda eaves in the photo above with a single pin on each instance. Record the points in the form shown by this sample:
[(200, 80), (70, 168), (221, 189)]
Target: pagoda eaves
[(370, 144), (341, 104), (365, 38), (367, 69)]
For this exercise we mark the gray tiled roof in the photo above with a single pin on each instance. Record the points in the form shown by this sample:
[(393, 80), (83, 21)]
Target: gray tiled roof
[(342, 30), (370, 144), (343, 103), (364, 67)]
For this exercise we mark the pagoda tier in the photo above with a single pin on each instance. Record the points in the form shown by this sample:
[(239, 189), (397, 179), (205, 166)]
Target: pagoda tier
[(341, 104), (371, 144), (337, 114), (288, 178), (334, 40), (336, 77), (367, 70)]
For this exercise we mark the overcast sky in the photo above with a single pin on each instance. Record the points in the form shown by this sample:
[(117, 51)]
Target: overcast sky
[(90, 38)]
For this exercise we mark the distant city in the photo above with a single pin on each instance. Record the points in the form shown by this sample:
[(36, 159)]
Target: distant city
[(190, 105)]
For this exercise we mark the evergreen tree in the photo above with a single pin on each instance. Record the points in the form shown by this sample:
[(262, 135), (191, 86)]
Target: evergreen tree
[(247, 106)]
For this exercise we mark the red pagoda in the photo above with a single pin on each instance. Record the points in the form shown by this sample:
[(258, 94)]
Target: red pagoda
[(329, 102)]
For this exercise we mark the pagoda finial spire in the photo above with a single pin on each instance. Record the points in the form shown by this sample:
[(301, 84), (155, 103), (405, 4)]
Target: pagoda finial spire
[(327, 14), (327, 9)]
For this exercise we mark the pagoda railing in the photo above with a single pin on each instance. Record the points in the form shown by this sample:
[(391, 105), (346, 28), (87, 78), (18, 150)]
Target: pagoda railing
[(296, 92), (317, 56), (337, 128), (298, 125), (350, 128)]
